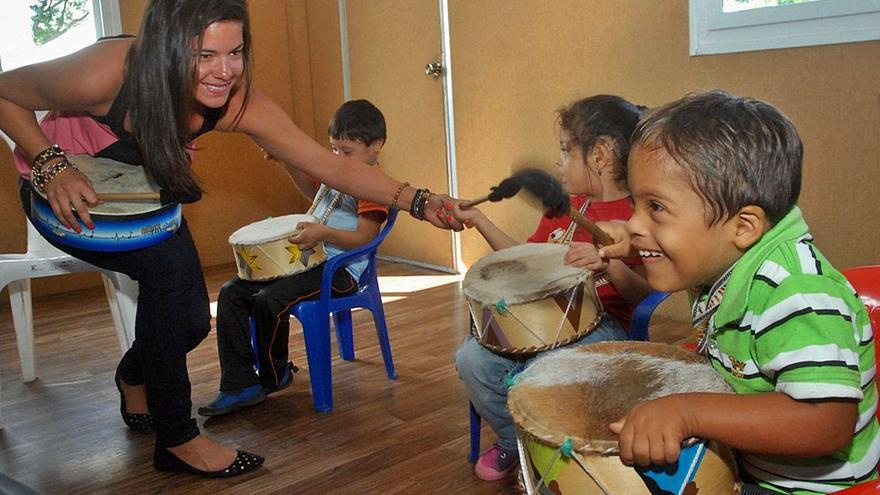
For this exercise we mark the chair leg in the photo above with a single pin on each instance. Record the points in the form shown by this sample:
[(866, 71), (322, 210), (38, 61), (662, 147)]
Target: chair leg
[(122, 297), (475, 434), (344, 338), (254, 346), (382, 334), (316, 332), (384, 343), (23, 321)]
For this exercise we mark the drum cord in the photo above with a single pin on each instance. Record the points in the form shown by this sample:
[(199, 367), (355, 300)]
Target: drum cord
[(568, 238), (574, 292), (502, 308), (566, 450), (322, 191)]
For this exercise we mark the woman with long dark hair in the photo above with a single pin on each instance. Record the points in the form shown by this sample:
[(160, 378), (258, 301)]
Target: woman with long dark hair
[(142, 101)]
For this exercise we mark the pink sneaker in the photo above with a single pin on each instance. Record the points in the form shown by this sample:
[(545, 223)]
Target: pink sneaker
[(494, 463)]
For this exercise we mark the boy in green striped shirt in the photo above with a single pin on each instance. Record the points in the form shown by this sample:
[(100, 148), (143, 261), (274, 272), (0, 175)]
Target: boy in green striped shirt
[(715, 179)]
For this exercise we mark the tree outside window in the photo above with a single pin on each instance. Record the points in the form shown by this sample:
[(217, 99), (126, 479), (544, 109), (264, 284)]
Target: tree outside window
[(52, 18)]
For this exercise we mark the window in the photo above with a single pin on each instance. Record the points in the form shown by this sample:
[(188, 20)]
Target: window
[(724, 26), (37, 30)]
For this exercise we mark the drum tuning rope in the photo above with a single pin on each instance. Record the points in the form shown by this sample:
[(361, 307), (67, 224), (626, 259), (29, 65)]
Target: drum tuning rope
[(566, 450), (526, 327), (571, 297)]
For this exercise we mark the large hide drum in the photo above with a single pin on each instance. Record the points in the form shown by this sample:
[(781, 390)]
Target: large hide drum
[(524, 300), (563, 403)]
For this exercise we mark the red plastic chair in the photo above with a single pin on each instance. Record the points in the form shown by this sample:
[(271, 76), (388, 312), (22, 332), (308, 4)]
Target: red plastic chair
[(866, 280)]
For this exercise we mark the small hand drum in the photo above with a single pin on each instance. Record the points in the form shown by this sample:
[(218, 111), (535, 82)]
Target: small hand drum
[(524, 300), (563, 403), (119, 226), (262, 251)]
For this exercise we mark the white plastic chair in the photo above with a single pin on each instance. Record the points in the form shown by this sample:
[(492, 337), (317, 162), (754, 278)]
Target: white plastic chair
[(44, 260)]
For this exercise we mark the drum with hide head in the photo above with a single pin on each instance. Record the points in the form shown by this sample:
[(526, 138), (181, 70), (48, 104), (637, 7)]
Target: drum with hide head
[(119, 225), (263, 251), (524, 300), (563, 403)]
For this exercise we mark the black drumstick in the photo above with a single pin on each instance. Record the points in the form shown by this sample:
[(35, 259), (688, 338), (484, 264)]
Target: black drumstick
[(505, 189), (555, 200)]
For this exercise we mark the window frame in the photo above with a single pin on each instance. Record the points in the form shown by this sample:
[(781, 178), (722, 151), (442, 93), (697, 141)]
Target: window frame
[(108, 19), (822, 22)]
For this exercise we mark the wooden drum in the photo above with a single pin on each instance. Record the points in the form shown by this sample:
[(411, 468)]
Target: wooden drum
[(262, 251), (524, 300), (563, 403)]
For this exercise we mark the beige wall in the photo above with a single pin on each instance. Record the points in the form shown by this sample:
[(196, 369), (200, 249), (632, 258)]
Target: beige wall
[(510, 75)]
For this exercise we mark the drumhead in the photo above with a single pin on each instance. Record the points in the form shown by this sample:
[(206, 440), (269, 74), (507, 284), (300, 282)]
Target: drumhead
[(521, 274), (111, 176), (576, 393), (270, 229)]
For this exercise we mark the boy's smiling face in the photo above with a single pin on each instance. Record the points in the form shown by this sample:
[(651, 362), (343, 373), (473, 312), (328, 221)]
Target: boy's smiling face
[(669, 226)]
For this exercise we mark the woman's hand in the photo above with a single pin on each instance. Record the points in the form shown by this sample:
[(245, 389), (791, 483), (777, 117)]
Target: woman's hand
[(438, 211), (308, 235), (585, 255), (68, 191)]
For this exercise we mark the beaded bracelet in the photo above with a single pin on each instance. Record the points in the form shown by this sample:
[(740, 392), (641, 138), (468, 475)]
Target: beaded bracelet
[(397, 195), (47, 154), (39, 178)]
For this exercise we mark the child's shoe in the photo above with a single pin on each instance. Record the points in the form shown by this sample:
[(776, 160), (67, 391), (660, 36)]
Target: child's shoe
[(286, 380), (227, 402), (494, 463)]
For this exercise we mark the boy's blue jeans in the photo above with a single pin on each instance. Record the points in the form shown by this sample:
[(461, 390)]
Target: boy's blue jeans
[(484, 374)]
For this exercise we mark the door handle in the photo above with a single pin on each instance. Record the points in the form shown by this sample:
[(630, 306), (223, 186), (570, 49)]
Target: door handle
[(434, 69)]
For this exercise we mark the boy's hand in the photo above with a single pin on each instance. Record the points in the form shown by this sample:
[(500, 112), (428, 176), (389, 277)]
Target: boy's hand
[(586, 255), (467, 216), (622, 247), (308, 235), (652, 432)]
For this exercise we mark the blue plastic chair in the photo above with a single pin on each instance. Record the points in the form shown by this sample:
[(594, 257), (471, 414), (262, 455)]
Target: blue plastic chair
[(315, 318), (638, 330)]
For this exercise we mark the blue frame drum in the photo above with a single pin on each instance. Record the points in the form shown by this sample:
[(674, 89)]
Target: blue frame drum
[(112, 232)]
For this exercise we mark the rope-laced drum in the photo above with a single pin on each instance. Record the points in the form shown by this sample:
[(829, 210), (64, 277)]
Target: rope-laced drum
[(525, 300), (563, 403), (119, 225), (263, 251)]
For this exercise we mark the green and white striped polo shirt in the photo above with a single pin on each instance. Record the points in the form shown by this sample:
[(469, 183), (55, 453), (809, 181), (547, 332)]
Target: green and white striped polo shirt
[(790, 323)]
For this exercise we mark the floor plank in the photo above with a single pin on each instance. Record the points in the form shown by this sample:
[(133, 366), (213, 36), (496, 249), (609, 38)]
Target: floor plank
[(62, 433)]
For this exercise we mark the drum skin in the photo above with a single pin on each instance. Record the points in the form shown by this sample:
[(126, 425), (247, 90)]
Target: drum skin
[(552, 404), (525, 300), (119, 226), (262, 251)]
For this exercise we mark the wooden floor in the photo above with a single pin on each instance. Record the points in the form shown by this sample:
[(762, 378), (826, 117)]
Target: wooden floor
[(62, 434)]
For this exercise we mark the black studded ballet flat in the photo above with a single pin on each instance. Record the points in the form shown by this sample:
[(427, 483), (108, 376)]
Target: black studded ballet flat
[(245, 462), (135, 422)]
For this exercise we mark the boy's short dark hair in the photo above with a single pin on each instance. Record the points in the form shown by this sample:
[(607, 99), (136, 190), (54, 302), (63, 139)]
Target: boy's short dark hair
[(735, 151), (358, 120)]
